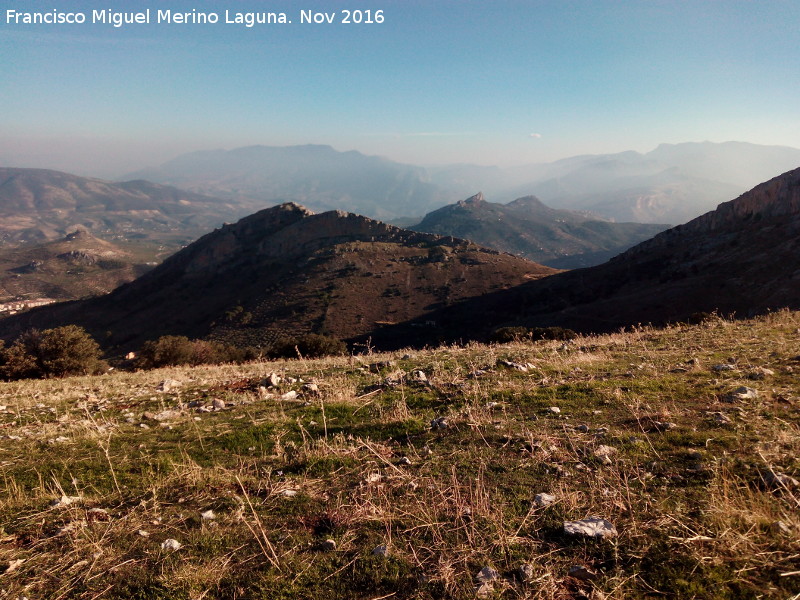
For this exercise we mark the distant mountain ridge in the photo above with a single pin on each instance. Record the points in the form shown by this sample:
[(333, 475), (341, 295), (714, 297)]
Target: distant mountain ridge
[(38, 205), (316, 176), (527, 227), (742, 258), (671, 184), (286, 271)]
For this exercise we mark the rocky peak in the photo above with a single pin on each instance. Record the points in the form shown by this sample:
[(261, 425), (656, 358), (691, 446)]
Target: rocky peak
[(473, 200), (80, 233)]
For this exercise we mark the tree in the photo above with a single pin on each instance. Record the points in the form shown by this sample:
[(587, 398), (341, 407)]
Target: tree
[(58, 352)]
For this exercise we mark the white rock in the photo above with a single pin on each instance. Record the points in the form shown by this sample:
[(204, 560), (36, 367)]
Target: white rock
[(604, 450), (168, 385), (65, 501), (741, 393), (595, 527), (723, 367), (291, 395), (171, 544), (487, 574), (218, 404), (543, 499), (554, 410), (289, 493), (208, 515), (272, 380), (329, 545)]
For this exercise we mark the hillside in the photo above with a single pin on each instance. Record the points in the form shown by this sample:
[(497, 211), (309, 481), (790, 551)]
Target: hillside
[(313, 175), (286, 271), (38, 205), (76, 266), (450, 473), (742, 258), (526, 227)]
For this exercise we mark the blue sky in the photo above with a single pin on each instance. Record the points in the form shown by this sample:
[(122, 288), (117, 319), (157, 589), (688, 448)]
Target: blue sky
[(437, 82)]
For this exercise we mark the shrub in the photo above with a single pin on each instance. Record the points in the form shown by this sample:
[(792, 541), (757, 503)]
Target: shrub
[(58, 352), (174, 350), (504, 335), (310, 345)]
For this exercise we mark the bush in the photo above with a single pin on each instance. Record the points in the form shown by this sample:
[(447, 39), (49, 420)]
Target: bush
[(58, 352), (175, 350), (310, 345), (504, 335)]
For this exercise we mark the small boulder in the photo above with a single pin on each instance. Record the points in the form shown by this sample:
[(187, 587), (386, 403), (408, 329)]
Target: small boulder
[(741, 393), (594, 527), (171, 545), (382, 550), (168, 385), (439, 423), (543, 499), (328, 545)]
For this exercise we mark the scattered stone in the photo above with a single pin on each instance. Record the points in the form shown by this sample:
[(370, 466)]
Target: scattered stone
[(208, 515), (741, 393), (604, 451), (291, 395), (419, 376), (311, 388), (65, 501), (439, 423), (476, 373), (522, 368), (780, 528), (583, 573), (554, 410), (487, 574), (272, 380), (373, 478), (662, 425), (525, 572), (97, 514), (760, 373), (168, 385), (405, 461), (289, 493), (218, 404), (164, 415), (144, 426), (381, 550), (142, 533), (595, 527), (780, 480), (723, 367), (328, 545), (721, 418), (493, 406), (543, 499), (14, 564), (582, 428), (171, 544)]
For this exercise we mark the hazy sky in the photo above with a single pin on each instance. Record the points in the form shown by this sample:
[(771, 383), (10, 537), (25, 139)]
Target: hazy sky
[(500, 82)]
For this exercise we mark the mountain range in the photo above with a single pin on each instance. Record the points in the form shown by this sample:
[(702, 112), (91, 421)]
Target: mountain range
[(38, 205), (562, 239), (670, 184), (741, 259), (285, 271)]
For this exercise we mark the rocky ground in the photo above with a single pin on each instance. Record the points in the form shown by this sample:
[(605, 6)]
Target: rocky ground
[(651, 463)]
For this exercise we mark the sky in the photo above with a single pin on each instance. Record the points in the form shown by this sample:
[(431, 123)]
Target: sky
[(493, 83)]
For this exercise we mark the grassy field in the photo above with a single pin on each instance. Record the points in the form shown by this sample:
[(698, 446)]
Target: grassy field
[(348, 490)]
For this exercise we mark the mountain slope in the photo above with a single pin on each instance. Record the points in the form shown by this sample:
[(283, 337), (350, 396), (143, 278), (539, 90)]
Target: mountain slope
[(285, 271), (75, 266), (40, 205), (528, 228), (316, 176), (743, 258)]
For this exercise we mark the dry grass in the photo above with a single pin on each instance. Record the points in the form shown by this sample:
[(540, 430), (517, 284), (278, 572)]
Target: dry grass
[(358, 462)]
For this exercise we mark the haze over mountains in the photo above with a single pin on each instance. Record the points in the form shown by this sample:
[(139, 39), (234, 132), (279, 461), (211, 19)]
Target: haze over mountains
[(671, 184), (526, 227)]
